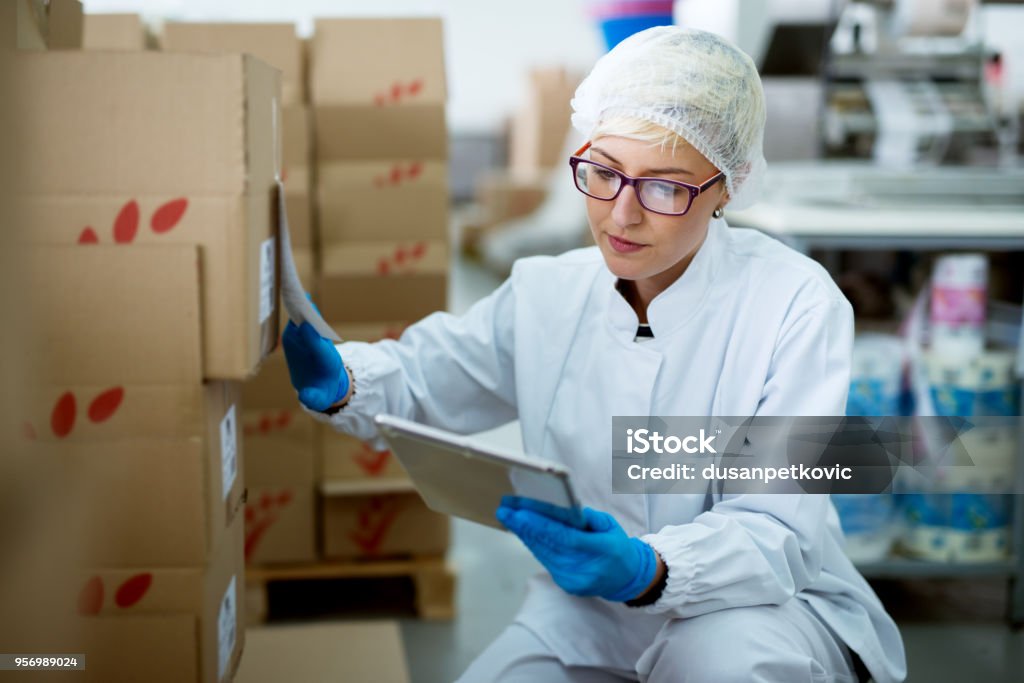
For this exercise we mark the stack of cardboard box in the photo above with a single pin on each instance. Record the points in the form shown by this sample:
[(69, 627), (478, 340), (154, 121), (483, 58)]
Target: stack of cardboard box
[(537, 138), (378, 97), (41, 24), (153, 281), (278, 436), (114, 32)]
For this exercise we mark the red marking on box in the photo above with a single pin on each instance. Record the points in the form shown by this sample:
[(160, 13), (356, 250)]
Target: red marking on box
[(374, 520), (168, 215), (88, 236), (126, 225), (90, 598), (133, 590), (62, 419), (106, 404), (372, 462)]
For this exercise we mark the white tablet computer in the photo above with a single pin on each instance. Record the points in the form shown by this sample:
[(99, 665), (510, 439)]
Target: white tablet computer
[(458, 478)]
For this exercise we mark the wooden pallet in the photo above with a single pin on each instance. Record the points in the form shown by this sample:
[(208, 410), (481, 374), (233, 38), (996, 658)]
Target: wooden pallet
[(432, 578)]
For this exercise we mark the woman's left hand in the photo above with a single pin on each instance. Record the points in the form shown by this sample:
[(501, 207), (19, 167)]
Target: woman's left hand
[(601, 560)]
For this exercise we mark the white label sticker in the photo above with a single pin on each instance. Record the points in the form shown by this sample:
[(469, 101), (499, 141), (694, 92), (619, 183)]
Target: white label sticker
[(267, 266), (226, 620), (228, 451)]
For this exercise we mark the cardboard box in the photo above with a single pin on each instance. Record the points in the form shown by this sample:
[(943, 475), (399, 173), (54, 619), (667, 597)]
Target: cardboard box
[(371, 332), (299, 206), (379, 524), (113, 316), (383, 200), (65, 18), (271, 389), (540, 128), (361, 650), (503, 194), (394, 281), (280, 524), (361, 132), (275, 44), (369, 61), (343, 457), (296, 146), (173, 625), (190, 162), (378, 89), (157, 501), (279, 446), (113, 32), (280, 512), (24, 24)]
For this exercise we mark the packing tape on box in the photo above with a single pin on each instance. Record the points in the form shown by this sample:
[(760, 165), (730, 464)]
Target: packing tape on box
[(296, 302)]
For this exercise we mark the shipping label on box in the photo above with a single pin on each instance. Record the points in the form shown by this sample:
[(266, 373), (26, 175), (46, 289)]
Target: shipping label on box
[(132, 169), (383, 200), (280, 524), (274, 43), (395, 281), (378, 61), (381, 525), (347, 458), (113, 32)]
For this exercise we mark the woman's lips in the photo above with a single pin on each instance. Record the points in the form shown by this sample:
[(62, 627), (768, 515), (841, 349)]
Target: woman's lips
[(624, 246)]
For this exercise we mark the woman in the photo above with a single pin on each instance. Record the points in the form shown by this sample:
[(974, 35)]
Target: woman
[(672, 313)]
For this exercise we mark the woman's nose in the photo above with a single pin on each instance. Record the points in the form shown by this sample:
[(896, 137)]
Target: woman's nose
[(626, 209)]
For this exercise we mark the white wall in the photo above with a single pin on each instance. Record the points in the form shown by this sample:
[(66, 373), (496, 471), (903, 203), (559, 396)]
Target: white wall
[(488, 45)]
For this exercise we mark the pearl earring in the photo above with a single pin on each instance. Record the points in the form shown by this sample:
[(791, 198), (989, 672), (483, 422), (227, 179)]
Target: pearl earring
[(717, 213)]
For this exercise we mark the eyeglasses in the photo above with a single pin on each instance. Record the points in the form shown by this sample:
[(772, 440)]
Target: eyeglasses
[(667, 197)]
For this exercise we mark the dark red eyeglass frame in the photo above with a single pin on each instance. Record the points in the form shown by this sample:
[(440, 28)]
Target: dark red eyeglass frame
[(694, 190)]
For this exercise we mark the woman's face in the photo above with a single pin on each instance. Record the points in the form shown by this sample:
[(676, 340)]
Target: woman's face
[(649, 248)]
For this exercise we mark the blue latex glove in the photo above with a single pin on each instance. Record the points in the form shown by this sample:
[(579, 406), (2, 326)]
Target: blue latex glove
[(315, 367), (601, 560)]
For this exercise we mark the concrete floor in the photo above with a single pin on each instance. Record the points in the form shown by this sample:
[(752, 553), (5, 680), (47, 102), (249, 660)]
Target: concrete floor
[(953, 631)]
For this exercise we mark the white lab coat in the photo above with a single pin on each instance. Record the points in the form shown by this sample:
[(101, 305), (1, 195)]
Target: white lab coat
[(751, 328)]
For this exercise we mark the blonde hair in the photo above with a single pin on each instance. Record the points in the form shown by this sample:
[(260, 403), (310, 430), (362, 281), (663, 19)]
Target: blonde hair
[(638, 129)]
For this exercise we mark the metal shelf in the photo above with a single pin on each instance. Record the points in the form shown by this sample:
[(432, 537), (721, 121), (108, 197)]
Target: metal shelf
[(906, 568), (1012, 568)]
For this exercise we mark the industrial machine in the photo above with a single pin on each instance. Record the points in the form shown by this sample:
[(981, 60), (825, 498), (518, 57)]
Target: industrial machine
[(905, 83)]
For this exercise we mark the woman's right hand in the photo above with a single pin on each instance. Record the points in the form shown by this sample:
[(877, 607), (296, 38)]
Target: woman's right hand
[(315, 367)]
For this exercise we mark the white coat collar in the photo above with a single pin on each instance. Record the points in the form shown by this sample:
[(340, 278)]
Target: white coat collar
[(680, 301)]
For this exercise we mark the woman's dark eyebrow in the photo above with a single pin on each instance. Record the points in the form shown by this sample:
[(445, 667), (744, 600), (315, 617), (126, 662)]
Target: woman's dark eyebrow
[(652, 171)]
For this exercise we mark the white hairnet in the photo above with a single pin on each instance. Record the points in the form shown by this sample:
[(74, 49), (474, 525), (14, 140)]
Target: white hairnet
[(693, 83)]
